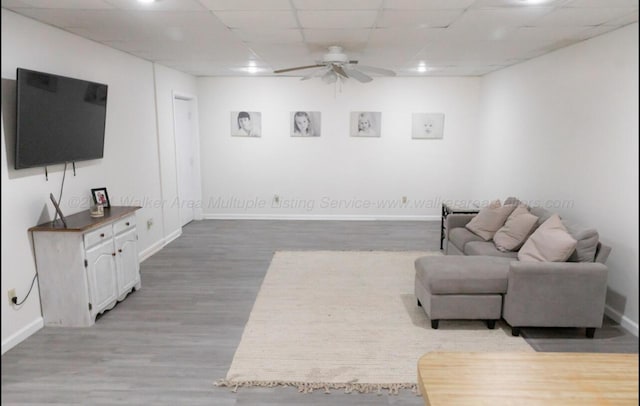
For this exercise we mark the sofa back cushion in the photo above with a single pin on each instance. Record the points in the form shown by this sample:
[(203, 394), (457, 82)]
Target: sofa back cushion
[(587, 243), (516, 229), (542, 214), (489, 220), (551, 242)]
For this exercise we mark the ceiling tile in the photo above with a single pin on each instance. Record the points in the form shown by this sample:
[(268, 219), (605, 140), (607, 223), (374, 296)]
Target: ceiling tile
[(166, 5), (337, 19), (227, 5), (602, 3), (269, 35), (54, 4), (179, 51), (336, 36), (220, 37), (264, 19), (278, 57), (337, 4), (427, 4), (418, 18), (400, 36), (479, 4), (513, 17), (624, 20), (586, 16), (10, 4), (546, 34)]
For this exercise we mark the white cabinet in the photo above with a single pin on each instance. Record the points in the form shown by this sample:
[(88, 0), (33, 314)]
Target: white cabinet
[(88, 267)]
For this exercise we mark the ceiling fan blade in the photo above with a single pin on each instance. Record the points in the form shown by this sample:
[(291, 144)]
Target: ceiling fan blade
[(359, 76), (296, 68), (380, 71), (338, 69), (317, 73)]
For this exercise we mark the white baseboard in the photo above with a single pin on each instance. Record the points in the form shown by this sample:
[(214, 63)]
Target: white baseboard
[(22, 334), (159, 245), (339, 217), (174, 235), (624, 321)]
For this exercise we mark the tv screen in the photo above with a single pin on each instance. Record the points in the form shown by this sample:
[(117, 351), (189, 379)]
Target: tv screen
[(59, 119)]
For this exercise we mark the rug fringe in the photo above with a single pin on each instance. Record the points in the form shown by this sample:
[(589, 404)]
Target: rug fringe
[(309, 387)]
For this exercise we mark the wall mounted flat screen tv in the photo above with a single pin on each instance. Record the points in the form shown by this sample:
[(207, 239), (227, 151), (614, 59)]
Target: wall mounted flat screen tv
[(59, 119)]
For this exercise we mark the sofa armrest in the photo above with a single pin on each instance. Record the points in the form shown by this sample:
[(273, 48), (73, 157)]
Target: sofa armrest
[(458, 220), (555, 294)]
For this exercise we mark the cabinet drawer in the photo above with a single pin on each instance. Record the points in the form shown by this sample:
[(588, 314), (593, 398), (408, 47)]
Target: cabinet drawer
[(97, 236), (124, 224)]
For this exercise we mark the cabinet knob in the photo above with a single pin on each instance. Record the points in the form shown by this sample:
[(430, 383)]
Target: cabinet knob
[(102, 235), (113, 254), (119, 250), (126, 224)]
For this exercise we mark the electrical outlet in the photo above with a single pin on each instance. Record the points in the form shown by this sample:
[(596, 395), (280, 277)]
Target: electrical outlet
[(149, 223), (12, 294), (404, 199), (276, 198)]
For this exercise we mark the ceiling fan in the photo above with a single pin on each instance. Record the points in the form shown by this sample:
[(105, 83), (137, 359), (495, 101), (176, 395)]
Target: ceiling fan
[(336, 65)]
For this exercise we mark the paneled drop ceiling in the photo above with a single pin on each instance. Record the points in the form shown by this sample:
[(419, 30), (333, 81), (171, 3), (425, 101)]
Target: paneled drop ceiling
[(226, 37)]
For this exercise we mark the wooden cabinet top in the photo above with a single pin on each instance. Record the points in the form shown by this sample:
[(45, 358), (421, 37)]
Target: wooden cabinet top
[(82, 221)]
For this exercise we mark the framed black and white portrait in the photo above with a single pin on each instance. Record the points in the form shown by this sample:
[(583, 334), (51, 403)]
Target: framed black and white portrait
[(365, 123), (427, 126), (305, 123), (246, 124)]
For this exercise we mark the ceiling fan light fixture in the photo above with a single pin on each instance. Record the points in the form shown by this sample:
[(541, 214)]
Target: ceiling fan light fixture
[(335, 65)]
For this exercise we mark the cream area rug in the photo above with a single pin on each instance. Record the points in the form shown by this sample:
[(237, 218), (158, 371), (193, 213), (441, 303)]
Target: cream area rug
[(347, 320)]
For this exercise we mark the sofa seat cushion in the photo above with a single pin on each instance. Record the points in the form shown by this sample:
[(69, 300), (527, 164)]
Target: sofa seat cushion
[(460, 236), (454, 275), (487, 248)]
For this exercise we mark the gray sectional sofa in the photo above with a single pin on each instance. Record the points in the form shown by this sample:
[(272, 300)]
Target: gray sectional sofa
[(477, 281)]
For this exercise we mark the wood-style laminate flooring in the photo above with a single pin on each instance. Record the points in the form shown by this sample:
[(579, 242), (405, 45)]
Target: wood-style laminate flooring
[(167, 343)]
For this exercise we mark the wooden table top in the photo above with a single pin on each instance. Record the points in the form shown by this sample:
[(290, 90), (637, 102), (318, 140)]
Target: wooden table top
[(82, 221), (540, 378)]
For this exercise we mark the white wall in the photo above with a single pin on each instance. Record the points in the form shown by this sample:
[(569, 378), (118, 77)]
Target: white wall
[(242, 175), (170, 82), (564, 127), (129, 170)]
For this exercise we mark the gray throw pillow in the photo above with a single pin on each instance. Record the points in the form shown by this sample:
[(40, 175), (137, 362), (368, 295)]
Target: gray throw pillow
[(516, 229), (551, 242), (489, 220)]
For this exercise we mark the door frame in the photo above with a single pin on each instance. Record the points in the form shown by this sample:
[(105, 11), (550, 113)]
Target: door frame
[(193, 100)]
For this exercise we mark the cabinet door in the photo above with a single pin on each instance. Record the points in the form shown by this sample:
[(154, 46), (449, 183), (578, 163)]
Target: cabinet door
[(101, 272), (127, 261)]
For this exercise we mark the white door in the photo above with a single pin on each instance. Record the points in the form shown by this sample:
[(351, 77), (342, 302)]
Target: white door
[(184, 126)]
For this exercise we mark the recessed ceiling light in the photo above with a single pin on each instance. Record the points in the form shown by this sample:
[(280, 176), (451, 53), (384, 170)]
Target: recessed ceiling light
[(146, 1), (422, 67), (252, 68)]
